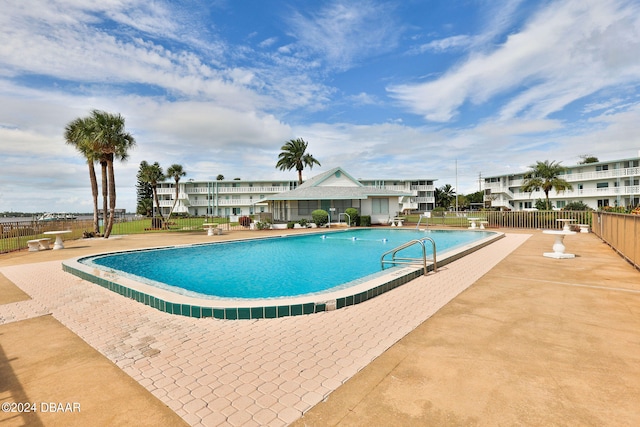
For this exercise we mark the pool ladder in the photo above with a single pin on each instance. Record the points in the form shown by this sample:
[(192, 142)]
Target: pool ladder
[(412, 261)]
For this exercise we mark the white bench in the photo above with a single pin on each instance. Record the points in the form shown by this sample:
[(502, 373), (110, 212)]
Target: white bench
[(482, 224), (36, 245), (584, 228)]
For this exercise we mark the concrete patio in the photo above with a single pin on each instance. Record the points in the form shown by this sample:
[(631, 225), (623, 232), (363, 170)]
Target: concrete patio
[(512, 338)]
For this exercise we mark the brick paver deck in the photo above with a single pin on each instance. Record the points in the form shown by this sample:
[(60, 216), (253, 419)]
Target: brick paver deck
[(247, 372)]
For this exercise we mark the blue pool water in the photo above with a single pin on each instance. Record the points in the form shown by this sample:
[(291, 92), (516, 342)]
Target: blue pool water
[(274, 267)]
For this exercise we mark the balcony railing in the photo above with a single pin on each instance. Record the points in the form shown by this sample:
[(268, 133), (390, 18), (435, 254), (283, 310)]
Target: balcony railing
[(226, 190), (590, 176)]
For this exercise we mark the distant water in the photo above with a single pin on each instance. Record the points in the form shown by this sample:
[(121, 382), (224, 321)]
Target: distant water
[(4, 219)]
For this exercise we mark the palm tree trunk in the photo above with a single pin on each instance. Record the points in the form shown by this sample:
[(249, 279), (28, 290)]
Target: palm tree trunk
[(112, 198), (175, 201), (94, 195), (105, 189), (155, 197), (299, 176)]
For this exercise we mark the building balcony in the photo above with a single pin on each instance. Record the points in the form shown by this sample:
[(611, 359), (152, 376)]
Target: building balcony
[(497, 188), (573, 194), (255, 190), (223, 202), (587, 176)]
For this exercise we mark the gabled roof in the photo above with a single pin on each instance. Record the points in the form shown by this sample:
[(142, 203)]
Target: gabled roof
[(334, 184), (323, 177)]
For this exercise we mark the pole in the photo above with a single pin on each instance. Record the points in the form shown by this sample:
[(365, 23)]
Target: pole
[(456, 187)]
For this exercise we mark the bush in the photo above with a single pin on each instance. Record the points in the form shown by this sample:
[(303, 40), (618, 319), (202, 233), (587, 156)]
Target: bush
[(365, 221), (576, 206), (244, 221), (303, 222), (263, 225), (320, 217), (353, 216), (614, 209), (291, 224)]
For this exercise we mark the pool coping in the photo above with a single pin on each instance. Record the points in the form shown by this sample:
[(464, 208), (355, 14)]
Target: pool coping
[(267, 308)]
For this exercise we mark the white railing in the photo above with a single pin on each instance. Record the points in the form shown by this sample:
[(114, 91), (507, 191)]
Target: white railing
[(423, 187), (227, 190), (590, 176), (497, 188), (599, 192), (425, 199), (224, 202)]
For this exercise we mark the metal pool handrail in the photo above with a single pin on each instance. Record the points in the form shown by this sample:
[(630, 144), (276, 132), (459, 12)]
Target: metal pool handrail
[(412, 261)]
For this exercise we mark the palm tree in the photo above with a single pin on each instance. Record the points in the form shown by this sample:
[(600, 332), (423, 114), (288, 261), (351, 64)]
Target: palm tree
[(544, 176), (294, 155), (79, 134), (152, 174), (444, 195), (112, 141), (176, 172)]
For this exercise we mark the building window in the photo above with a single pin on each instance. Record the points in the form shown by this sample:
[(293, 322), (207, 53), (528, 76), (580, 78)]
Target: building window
[(561, 204), (305, 207), (379, 206), (603, 202), (602, 185), (600, 168)]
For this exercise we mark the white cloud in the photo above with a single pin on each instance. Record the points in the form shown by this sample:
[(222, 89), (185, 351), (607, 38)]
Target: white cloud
[(345, 31), (566, 51)]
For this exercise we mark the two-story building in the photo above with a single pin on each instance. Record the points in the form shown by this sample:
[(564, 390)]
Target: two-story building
[(247, 197), (609, 183)]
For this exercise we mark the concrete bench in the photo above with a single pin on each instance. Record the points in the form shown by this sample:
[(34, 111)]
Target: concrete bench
[(483, 224), (36, 245), (584, 228)]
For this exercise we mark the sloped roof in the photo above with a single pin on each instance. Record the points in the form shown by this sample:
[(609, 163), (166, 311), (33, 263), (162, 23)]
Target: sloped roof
[(313, 189)]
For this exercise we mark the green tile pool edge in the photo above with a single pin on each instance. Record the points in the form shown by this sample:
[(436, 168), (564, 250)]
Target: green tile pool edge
[(268, 312), (240, 313)]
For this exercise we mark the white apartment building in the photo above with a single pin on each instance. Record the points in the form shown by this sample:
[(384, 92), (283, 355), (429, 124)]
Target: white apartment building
[(242, 197), (610, 183)]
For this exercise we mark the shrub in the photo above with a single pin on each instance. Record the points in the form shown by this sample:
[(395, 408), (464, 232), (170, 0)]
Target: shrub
[(303, 222), (365, 221), (353, 216), (244, 221), (263, 225), (291, 224), (541, 205), (576, 206), (614, 209), (320, 217)]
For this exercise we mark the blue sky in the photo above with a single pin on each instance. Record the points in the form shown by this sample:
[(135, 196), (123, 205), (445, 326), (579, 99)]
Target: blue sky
[(385, 89)]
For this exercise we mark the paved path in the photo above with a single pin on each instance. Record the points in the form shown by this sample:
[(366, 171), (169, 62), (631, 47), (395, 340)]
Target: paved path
[(241, 373)]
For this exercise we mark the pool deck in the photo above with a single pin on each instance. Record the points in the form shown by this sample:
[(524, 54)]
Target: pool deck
[(512, 338)]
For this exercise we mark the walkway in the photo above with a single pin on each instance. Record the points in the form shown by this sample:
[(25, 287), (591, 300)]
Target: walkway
[(536, 340)]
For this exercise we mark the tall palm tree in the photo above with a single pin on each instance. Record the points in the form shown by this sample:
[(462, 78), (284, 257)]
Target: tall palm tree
[(152, 174), (294, 155), (176, 172), (545, 176), (79, 134), (112, 141), (444, 195)]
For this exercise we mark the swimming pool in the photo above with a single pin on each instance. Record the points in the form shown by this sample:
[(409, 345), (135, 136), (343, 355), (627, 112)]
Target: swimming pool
[(257, 278)]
